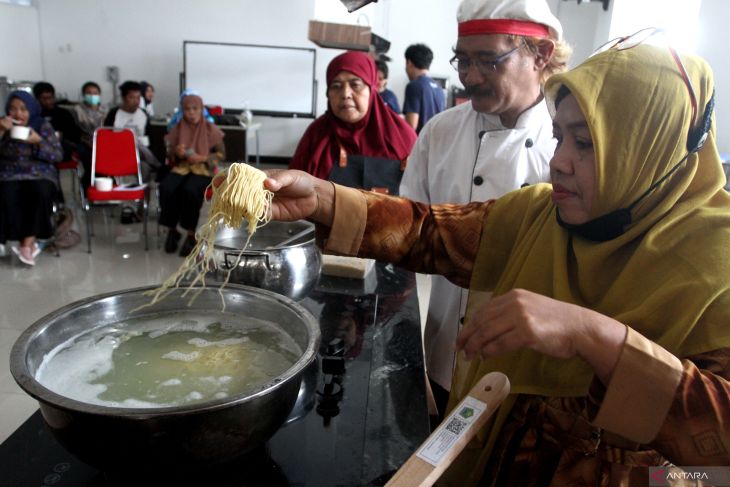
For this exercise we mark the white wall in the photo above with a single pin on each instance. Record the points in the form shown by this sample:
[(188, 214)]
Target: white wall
[(144, 39), (585, 26), (430, 22), (404, 22), (71, 41), (711, 45), (21, 44)]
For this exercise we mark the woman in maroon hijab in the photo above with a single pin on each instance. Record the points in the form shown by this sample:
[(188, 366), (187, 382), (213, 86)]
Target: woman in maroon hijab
[(358, 141)]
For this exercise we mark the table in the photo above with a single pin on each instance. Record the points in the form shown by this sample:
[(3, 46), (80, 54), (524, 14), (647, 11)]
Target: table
[(356, 435), (235, 140)]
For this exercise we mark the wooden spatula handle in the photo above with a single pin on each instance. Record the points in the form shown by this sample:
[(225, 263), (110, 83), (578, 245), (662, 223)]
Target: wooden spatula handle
[(435, 454)]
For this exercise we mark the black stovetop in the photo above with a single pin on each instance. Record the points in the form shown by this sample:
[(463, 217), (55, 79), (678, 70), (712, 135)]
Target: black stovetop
[(358, 427)]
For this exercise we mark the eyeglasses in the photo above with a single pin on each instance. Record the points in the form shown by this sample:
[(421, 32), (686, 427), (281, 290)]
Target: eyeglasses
[(633, 40), (484, 66)]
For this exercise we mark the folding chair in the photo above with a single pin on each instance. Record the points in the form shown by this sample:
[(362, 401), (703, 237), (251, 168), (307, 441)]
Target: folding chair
[(115, 155)]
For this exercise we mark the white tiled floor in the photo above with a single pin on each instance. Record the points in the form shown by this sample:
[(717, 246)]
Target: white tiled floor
[(118, 262)]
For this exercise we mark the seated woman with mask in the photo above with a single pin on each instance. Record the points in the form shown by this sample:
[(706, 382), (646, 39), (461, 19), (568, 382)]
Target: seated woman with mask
[(359, 141), (195, 147), (610, 298), (29, 149)]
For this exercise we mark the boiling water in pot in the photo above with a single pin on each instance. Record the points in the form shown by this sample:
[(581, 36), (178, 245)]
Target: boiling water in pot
[(168, 360)]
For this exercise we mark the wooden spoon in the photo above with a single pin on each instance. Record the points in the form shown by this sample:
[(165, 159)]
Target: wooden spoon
[(435, 454)]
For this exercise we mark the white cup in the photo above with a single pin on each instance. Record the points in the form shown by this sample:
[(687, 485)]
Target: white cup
[(20, 132), (103, 184)]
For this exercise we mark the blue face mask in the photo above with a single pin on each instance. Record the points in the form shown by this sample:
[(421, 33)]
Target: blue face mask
[(92, 99)]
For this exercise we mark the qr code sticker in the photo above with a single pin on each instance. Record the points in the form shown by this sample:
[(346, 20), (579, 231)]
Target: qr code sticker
[(456, 425)]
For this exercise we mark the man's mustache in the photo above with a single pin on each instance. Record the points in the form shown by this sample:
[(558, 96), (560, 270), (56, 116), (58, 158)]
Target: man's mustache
[(477, 91)]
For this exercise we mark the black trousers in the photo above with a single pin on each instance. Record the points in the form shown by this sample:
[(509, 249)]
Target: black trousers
[(181, 198), (26, 208)]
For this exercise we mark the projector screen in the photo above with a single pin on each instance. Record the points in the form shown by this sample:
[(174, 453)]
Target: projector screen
[(270, 80)]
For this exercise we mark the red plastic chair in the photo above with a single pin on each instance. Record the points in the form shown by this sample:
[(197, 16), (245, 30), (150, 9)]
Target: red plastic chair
[(214, 109), (115, 155)]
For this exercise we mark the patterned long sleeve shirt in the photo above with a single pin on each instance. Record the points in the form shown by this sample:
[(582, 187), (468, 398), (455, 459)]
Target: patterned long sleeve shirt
[(573, 441), (23, 161)]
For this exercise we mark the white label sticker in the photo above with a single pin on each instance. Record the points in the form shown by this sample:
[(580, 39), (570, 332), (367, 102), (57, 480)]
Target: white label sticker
[(453, 427)]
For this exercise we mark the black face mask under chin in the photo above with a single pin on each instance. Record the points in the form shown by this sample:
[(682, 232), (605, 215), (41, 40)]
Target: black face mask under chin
[(613, 224), (601, 229)]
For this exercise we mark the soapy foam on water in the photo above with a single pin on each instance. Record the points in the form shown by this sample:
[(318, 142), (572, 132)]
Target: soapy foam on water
[(183, 357), (202, 342), (72, 368)]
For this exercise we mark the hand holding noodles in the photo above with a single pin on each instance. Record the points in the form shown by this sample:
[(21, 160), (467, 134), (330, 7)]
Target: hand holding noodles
[(238, 196)]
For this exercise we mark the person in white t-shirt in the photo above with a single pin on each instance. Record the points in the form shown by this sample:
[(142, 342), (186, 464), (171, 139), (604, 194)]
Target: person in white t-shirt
[(130, 115)]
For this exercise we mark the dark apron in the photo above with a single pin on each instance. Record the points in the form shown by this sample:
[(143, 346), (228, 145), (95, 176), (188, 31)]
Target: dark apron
[(371, 173)]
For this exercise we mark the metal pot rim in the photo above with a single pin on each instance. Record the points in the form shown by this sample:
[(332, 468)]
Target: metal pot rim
[(242, 229), (27, 381)]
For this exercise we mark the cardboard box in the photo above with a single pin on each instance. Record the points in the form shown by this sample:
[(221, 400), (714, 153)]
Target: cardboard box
[(340, 36)]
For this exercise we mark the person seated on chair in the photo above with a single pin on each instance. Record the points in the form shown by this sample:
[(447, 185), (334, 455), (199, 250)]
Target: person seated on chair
[(28, 176), (148, 94), (603, 296), (60, 119), (195, 147), (130, 115), (357, 123), (89, 116)]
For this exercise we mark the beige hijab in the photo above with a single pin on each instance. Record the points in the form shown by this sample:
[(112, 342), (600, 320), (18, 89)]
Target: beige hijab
[(666, 276), (200, 136)]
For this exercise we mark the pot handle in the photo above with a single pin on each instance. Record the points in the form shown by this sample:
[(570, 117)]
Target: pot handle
[(248, 254)]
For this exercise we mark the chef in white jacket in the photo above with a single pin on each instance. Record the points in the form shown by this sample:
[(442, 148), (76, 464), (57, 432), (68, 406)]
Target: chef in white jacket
[(499, 141)]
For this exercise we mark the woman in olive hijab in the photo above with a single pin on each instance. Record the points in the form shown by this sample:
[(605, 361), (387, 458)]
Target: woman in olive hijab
[(610, 300)]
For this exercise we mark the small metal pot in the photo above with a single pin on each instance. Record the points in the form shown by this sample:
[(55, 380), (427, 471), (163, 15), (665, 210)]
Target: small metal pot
[(281, 257), (190, 436)]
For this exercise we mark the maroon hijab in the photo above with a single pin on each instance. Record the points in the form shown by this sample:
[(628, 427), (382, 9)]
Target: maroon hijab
[(381, 132)]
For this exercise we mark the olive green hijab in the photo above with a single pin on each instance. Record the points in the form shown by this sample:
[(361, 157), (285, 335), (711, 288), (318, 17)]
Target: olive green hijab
[(666, 276)]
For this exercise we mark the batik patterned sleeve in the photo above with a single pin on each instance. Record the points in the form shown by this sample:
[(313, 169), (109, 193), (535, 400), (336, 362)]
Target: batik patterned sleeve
[(431, 239), (49, 149), (680, 408), (696, 429)]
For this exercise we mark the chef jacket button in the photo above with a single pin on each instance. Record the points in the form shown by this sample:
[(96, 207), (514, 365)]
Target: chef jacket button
[(478, 180), (529, 143), (461, 320)]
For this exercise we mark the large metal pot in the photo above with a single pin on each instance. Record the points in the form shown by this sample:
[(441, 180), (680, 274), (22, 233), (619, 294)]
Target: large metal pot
[(192, 436), (281, 257)]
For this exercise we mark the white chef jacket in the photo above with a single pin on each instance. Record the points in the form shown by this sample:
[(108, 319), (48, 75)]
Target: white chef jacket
[(462, 155)]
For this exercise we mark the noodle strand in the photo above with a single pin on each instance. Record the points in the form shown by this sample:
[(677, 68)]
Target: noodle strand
[(241, 196)]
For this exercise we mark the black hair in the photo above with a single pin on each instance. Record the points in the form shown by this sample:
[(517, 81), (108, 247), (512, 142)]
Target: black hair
[(562, 93), (420, 55), (43, 87), (143, 87), (128, 86), (382, 67), (90, 84)]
